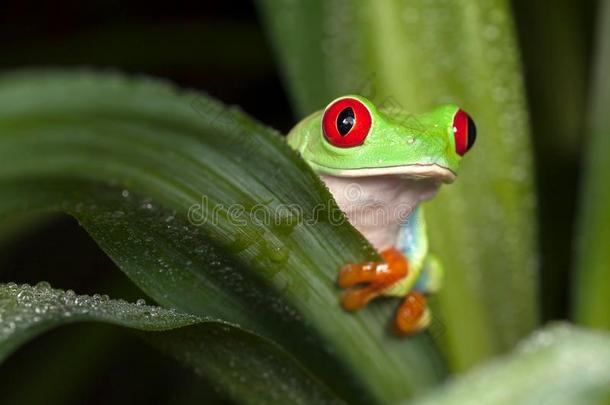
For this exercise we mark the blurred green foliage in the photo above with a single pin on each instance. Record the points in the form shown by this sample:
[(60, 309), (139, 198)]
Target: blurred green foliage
[(592, 286), (512, 264)]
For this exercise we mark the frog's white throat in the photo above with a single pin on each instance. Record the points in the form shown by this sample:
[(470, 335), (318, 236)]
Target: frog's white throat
[(378, 205)]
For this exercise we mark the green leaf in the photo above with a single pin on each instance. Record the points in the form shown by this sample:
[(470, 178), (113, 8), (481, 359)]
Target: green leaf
[(28, 311), (554, 44), (558, 365), (213, 348), (592, 287), (413, 54), (555, 47), (209, 213)]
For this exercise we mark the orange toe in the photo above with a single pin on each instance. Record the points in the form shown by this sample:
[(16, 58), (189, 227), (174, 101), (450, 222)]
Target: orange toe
[(378, 275), (353, 274), (412, 315), (356, 298)]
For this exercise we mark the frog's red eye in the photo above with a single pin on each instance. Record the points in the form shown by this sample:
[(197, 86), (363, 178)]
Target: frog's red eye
[(464, 132), (346, 122)]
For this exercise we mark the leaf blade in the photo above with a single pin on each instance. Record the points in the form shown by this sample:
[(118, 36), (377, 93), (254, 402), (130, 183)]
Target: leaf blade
[(130, 158), (561, 364), (30, 311), (591, 288)]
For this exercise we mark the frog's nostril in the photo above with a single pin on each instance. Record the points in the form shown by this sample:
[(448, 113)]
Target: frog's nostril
[(464, 132)]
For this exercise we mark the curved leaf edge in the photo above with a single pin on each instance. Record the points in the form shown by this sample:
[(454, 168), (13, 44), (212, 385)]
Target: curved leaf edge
[(243, 365)]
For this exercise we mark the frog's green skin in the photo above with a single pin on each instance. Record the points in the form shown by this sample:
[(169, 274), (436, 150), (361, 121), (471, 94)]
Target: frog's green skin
[(403, 160), (398, 142)]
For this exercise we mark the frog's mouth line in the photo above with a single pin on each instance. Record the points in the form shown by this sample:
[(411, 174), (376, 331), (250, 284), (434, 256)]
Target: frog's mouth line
[(413, 171)]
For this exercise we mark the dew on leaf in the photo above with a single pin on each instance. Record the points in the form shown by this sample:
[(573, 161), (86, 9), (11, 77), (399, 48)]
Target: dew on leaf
[(43, 285), (24, 306)]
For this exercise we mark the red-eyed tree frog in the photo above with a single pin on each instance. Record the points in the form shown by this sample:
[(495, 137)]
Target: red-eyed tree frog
[(379, 164)]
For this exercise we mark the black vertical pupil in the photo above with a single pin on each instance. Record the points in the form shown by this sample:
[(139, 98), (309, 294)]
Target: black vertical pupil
[(345, 121), (472, 133)]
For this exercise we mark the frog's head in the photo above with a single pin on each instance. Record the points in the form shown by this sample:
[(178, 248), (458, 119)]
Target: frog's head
[(352, 138)]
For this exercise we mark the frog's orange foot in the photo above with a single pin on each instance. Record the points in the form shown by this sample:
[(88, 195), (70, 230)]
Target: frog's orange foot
[(378, 276), (413, 314)]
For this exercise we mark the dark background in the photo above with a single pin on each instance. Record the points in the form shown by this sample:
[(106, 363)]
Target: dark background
[(220, 47)]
